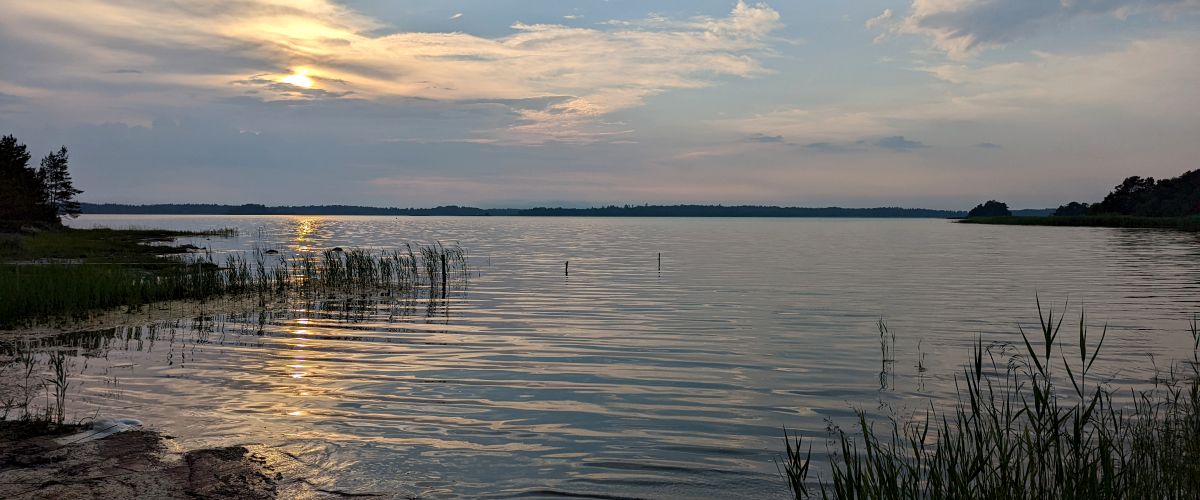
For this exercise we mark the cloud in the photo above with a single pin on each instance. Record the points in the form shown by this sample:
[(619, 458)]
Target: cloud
[(899, 143), (894, 143), (221, 48), (830, 147), (456, 16), (963, 27), (1151, 79), (988, 145), (880, 19), (765, 139), (8, 102)]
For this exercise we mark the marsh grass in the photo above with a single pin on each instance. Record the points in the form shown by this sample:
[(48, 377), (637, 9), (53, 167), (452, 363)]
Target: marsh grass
[(70, 292), (1036, 425), (126, 246)]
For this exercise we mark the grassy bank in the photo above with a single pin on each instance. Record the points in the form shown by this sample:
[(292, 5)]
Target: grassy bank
[(74, 274), (1128, 221), (68, 273), (1038, 424), (96, 246)]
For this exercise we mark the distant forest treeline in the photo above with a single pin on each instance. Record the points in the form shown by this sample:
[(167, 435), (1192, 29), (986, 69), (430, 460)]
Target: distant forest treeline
[(609, 211)]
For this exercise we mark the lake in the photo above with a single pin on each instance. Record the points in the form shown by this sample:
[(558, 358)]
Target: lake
[(625, 379)]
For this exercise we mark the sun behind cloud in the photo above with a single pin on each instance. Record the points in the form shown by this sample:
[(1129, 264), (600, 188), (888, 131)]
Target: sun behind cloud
[(299, 78)]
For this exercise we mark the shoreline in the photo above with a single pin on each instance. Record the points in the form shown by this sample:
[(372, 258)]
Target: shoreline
[(61, 462), (131, 464), (1189, 224)]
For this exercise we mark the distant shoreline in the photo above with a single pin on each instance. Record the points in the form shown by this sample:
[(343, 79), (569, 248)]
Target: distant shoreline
[(1120, 221), (609, 211)]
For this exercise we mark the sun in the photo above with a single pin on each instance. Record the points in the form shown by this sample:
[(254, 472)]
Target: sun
[(299, 78)]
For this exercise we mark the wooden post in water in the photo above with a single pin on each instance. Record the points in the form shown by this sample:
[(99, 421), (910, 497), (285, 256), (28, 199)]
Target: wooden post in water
[(567, 268), (660, 261)]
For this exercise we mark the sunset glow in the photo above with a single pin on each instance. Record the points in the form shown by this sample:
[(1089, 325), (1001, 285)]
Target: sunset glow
[(299, 79), (925, 103)]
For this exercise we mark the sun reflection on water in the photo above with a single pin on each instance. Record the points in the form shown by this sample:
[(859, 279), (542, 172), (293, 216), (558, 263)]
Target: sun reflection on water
[(304, 231)]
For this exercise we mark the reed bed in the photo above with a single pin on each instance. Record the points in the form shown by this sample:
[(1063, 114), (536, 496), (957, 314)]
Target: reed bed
[(1036, 425), (30, 293)]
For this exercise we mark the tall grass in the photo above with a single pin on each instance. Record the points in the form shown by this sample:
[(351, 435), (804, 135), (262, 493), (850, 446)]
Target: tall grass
[(74, 291), (1022, 428)]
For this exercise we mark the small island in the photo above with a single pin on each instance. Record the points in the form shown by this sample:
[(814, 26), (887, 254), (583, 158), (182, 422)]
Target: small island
[(1138, 202)]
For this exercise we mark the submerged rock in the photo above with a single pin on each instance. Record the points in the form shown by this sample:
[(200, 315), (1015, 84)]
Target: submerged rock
[(101, 428), (130, 464)]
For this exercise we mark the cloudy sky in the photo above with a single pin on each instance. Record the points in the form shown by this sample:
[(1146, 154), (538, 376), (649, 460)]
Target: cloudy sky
[(933, 103)]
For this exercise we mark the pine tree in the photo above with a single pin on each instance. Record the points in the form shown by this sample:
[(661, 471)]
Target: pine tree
[(23, 195), (60, 192)]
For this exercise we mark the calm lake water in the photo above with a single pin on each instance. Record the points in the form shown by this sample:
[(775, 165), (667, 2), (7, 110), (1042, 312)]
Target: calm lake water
[(623, 380)]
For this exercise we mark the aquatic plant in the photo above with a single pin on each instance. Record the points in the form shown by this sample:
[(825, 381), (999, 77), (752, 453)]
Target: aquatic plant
[(24, 376), (1020, 429), (72, 291)]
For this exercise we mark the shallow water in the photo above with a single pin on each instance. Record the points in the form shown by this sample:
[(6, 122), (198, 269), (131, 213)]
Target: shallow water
[(621, 379)]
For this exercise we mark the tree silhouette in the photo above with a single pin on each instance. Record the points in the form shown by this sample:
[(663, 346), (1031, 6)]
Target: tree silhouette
[(56, 179), (1175, 197), (992, 208), (23, 196), (1072, 209)]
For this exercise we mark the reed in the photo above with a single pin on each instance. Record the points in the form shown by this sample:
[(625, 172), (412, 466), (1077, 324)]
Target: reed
[(1036, 425), (24, 376), (67, 292)]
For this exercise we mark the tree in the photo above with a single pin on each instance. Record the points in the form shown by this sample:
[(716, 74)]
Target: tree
[(1072, 209), (992, 208), (1174, 197), (1128, 198), (23, 198), (56, 179)]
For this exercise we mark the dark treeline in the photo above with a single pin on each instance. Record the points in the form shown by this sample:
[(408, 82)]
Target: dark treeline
[(34, 197), (609, 211), (737, 211), (1145, 197), (256, 209)]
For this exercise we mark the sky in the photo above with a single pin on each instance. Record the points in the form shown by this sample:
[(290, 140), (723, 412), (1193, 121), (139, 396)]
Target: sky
[(516, 103)]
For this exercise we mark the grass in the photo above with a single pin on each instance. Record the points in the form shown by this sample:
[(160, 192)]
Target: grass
[(71, 292), (68, 273), (116, 269), (125, 246), (1021, 429), (1128, 221)]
